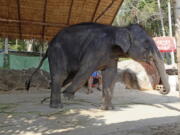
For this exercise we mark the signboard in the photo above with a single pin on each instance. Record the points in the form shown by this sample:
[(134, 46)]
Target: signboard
[(165, 44)]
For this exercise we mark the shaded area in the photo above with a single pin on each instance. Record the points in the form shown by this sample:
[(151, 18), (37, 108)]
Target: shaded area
[(136, 112), (140, 127)]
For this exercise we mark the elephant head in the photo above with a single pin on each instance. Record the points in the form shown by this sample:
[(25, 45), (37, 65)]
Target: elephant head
[(138, 45)]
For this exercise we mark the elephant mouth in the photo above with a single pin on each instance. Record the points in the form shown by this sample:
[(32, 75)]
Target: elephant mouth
[(152, 73), (156, 73)]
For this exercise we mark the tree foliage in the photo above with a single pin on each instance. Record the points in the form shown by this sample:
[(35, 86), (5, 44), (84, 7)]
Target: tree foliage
[(22, 45), (16, 45), (144, 12)]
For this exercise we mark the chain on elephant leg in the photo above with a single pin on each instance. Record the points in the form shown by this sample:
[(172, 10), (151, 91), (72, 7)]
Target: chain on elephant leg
[(69, 93)]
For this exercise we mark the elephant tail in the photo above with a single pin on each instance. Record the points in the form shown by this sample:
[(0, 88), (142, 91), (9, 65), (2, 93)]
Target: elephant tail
[(28, 81)]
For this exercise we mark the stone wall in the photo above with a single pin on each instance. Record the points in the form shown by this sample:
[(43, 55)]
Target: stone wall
[(15, 79)]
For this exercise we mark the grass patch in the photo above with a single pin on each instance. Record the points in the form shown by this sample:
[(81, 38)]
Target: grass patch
[(122, 59), (6, 107)]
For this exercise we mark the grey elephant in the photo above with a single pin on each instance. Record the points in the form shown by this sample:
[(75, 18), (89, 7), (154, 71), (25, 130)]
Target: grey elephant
[(78, 50)]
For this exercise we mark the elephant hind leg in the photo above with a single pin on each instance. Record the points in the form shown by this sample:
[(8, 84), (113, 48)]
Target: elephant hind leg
[(56, 83), (58, 75)]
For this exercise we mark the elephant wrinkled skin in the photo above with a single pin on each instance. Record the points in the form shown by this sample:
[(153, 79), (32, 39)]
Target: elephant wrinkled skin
[(78, 50)]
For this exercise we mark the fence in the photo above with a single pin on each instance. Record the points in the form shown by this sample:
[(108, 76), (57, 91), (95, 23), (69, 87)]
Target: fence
[(20, 62)]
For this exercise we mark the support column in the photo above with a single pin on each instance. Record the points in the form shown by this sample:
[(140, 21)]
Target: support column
[(6, 55), (170, 30), (177, 16)]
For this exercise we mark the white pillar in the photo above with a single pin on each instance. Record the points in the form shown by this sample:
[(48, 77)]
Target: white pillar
[(6, 56), (161, 17), (6, 46), (170, 29), (177, 15)]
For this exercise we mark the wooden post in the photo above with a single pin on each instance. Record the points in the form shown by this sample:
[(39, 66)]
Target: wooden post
[(29, 44), (161, 17), (6, 55), (165, 55), (170, 30), (177, 16)]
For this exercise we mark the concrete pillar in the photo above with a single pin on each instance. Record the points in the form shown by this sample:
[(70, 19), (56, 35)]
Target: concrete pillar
[(6, 55), (177, 16)]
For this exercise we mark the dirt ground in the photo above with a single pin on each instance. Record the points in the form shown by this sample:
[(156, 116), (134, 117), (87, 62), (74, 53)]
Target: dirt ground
[(136, 113)]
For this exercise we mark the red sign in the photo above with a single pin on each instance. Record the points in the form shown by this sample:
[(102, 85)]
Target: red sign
[(165, 44)]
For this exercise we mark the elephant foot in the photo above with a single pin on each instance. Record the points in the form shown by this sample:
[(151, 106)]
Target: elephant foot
[(100, 87), (107, 107), (53, 105), (68, 95), (89, 91)]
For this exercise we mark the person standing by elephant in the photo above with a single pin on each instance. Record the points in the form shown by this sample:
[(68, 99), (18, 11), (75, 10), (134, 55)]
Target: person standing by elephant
[(95, 79)]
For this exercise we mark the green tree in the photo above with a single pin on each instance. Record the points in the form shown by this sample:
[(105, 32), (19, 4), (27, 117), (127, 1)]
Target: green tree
[(1, 43), (17, 45), (22, 45), (144, 12)]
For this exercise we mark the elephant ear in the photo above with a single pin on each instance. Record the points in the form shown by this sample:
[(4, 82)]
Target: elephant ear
[(123, 39)]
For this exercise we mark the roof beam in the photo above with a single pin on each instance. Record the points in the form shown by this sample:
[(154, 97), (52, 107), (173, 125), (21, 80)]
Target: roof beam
[(32, 22), (44, 19), (120, 3), (94, 14), (70, 10), (19, 18), (105, 10), (14, 35)]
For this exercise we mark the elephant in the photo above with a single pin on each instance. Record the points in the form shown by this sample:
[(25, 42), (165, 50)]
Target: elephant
[(80, 49)]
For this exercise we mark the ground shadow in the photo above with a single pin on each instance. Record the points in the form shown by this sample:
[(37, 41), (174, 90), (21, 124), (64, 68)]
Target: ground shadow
[(140, 127), (22, 113)]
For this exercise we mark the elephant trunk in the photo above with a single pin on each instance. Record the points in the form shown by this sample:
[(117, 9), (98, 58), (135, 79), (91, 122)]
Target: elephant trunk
[(158, 60)]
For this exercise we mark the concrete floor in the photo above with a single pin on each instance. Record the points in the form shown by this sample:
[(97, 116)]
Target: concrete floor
[(136, 113)]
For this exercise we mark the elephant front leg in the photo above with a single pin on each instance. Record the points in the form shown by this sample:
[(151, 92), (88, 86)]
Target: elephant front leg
[(78, 81), (58, 73), (108, 76), (82, 75)]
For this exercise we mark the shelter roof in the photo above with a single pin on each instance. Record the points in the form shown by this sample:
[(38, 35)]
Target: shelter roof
[(42, 19)]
